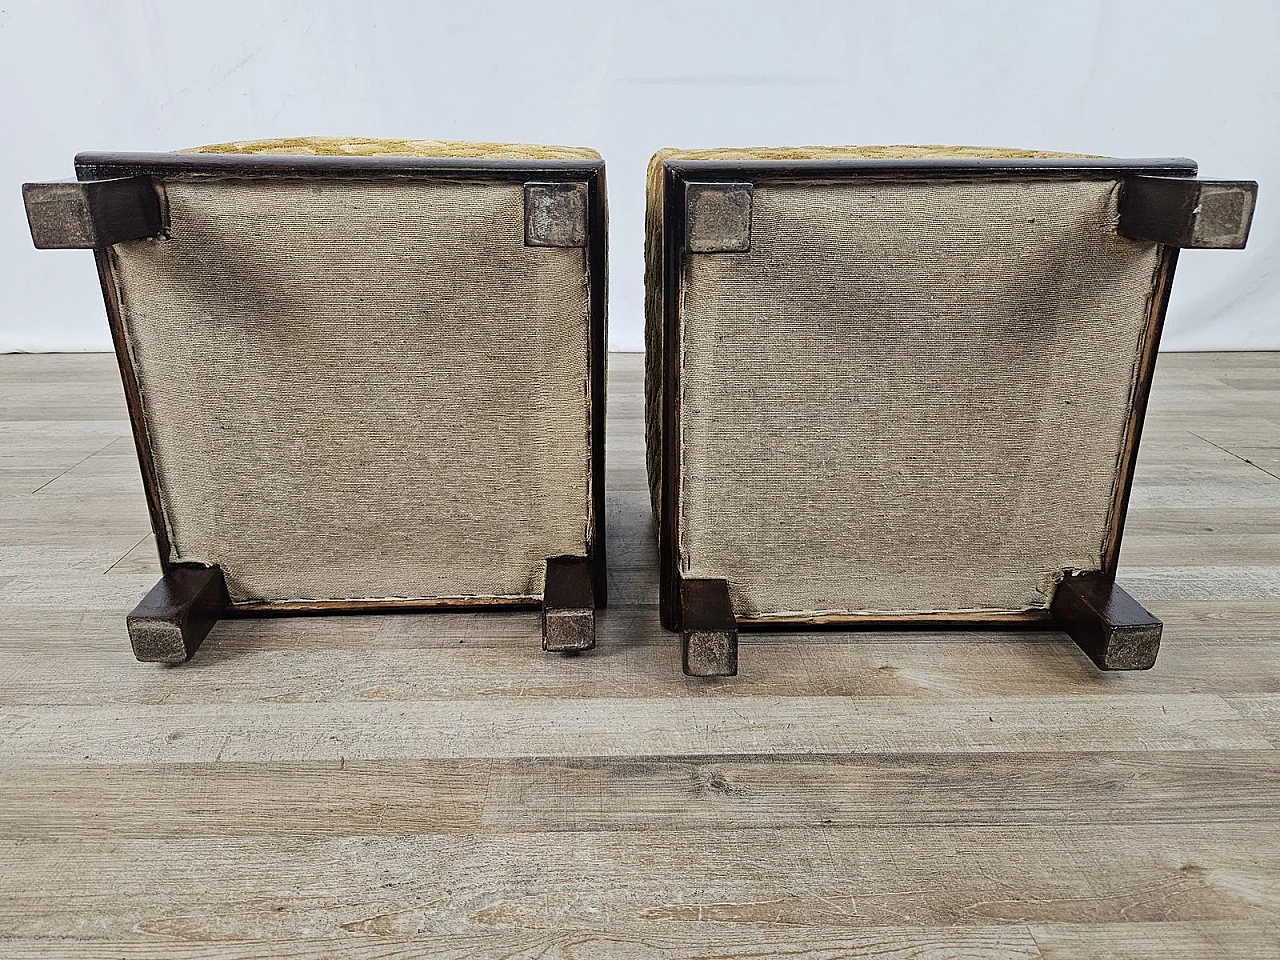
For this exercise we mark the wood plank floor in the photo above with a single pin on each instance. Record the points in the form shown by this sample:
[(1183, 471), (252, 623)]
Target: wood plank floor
[(436, 786)]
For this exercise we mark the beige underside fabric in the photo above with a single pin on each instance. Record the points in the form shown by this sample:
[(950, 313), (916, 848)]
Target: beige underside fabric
[(653, 243), (908, 397), (362, 389)]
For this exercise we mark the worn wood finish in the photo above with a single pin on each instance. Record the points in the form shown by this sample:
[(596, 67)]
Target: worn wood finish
[(1021, 619), (709, 632), (1203, 214), (408, 786), (1109, 625), (95, 165), (718, 218), (177, 614), (597, 380), (569, 605), (750, 171), (674, 221), (296, 608), (555, 214), (69, 215), (582, 180)]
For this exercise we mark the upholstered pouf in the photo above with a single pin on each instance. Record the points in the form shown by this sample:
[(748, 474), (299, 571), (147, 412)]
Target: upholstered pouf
[(905, 385), (363, 374)]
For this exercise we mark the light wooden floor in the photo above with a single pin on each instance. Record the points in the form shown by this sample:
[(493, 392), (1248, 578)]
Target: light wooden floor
[(388, 787)]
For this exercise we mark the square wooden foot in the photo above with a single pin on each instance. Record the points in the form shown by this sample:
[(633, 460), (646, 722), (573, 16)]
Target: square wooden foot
[(91, 214), (175, 617), (1106, 623), (709, 632), (568, 605)]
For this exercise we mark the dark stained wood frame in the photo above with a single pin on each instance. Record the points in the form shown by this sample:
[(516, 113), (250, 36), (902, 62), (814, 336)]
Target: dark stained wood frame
[(678, 174), (161, 167)]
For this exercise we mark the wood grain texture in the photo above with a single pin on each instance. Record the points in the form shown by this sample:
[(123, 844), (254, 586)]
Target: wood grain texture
[(1215, 940), (633, 794), (1204, 214), (673, 942), (436, 786), (236, 888)]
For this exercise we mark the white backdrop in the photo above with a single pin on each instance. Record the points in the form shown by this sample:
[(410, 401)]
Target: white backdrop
[(1118, 78)]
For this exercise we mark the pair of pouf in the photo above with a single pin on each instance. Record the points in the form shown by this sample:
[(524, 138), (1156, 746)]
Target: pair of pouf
[(885, 386)]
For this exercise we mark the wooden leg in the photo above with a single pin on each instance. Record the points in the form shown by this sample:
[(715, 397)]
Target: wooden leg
[(568, 605), (92, 214), (172, 620), (1107, 624), (709, 632), (1182, 212)]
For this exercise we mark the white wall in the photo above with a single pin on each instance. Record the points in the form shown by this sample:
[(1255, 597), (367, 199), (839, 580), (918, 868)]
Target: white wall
[(1119, 78)]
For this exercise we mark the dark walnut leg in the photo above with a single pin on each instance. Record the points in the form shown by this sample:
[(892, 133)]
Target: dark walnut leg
[(1106, 623), (568, 605), (709, 632), (172, 620)]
